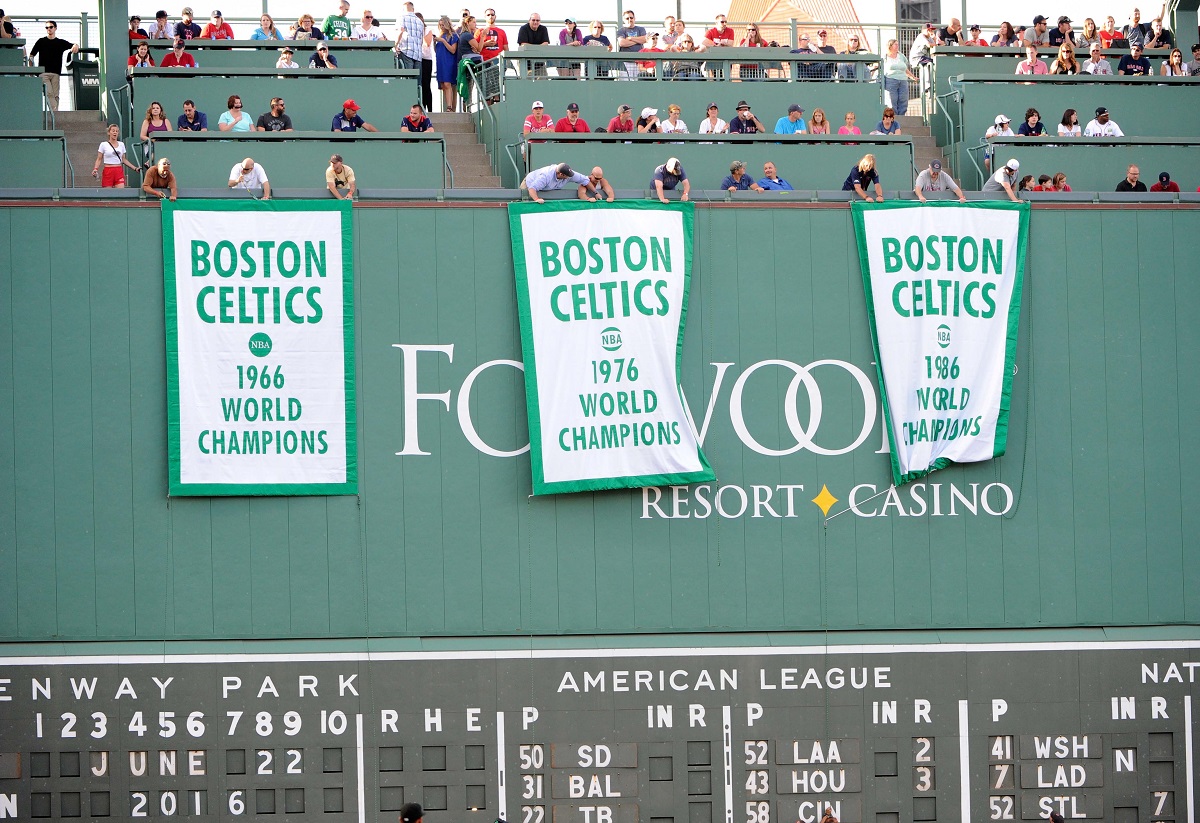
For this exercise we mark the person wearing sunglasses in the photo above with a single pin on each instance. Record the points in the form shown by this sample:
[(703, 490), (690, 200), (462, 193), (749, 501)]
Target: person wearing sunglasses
[(50, 51), (753, 39), (159, 177)]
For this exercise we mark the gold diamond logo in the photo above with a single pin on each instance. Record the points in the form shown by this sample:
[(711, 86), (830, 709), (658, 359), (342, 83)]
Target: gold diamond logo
[(825, 500)]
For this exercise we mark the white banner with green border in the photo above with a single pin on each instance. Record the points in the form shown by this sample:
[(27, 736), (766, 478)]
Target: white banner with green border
[(260, 348), (602, 293), (943, 291)]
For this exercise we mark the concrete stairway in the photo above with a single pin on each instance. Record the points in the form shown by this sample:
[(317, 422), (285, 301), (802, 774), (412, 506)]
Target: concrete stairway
[(925, 145), (84, 131), (465, 153)]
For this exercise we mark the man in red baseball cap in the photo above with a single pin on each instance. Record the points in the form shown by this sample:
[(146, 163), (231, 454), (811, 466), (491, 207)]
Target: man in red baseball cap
[(348, 120)]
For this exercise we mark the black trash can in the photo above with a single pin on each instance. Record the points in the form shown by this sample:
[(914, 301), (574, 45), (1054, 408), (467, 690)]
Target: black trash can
[(85, 77)]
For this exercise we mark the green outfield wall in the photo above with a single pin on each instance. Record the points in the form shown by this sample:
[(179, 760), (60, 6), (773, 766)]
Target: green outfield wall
[(1086, 521)]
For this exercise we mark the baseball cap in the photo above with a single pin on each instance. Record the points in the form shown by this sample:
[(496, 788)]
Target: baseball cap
[(572, 107), (712, 106), (976, 28), (287, 50), (160, 14), (1101, 110), (822, 33), (350, 104), (1001, 120), (672, 165), (742, 106), (1064, 19), (565, 171), (187, 10), (1013, 164), (569, 20), (134, 17), (323, 47), (1164, 178), (624, 107), (936, 165), (216, 13), (180, 43), (538, 104), (646, 112), (411, 812), (1039, 19), (795, 107)]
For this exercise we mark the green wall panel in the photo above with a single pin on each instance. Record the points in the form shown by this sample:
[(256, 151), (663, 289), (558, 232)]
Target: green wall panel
[(450, 543)]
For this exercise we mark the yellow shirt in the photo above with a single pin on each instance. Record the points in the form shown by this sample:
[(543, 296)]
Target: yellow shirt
[(340, 181)]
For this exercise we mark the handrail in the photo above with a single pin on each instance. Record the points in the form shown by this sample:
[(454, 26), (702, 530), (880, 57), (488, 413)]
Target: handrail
[(513, 160), (475, 70), (600, 64), (447, 169), (983, 175), (70, 167), (46, 109), (1075, 79)]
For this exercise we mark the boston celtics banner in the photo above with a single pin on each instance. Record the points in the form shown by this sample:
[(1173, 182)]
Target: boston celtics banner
[(943, 289), (602, 293), (260, 348)]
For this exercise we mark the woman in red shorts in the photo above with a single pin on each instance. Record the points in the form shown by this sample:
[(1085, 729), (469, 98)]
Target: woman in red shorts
[(112, 154)]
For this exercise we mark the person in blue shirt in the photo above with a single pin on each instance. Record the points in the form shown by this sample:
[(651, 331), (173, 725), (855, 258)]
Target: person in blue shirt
[(191, 120), (772, 181), (737, 180), (888, 124), (793, 123), (746, 122), (348, 120), (416, 120), (862, 176)]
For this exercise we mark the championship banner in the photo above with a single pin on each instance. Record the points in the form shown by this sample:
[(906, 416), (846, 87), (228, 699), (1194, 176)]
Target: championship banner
[(260, 348), (602, 294), (943, 289)]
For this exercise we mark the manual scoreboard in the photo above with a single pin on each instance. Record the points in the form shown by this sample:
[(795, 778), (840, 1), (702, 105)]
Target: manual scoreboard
[(887, 734)]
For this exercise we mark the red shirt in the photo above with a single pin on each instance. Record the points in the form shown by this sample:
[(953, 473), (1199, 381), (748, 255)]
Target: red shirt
[(1172, 186), (488, 52), (615, 126), (565, 125), (221, 32), (719, 36), (134, 60), (533, 122), (1106, 38), (648, 64), (185, 61)]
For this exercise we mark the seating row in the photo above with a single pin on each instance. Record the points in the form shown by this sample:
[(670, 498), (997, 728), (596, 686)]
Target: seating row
[(262, 54)]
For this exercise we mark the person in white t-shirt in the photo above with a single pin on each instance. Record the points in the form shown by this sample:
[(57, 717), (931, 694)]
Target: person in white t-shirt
[(1000, 128), (1069, 127), (1102, 126), (250, 175)]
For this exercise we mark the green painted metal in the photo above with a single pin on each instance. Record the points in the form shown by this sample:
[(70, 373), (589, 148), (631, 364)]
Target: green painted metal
[(1091, 166), (12, 52), (1098, 533), (21, 90), (260, 54), (299, 159), (312, 99), (40, 157), (806, 163)]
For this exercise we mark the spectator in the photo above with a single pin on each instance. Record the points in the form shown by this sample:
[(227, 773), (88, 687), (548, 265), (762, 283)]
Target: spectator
[(1003, 180), (1173, 66), (154, 121), (1000, 128), (534, 33), (1131, 182), (368, 28), (276, 119), (622, 123), (753, 39), (191, 120), (934, 179), (306, 29), (1109, 33), (806, 70), (1194, 66), (187, 28), (792, 122), (737, 180), (179, 58), (493, 41), (823, 71), (1031, 64), (745, 122), (537, 122), (819, 124), (234, 119), (7, 30), (673, 124), (1062, 33), (136, 32), (572, 122), (573, 37), (1037, 36), (855, 72), (1096, 64), (976, 37), (339, 179), (597, 37), (1006, 37), (647, 67), (1134, 64), (1090, 34), (217, 28), (162, 28), (600, 187), (285, 60), (848, 127), (416, 121), (348, 119), (667, 176), (1138, 32), (686, 69), (1165, 183), (159, 176), (669, 36), (1032, 127), (1069, 126), (647, 122), (919, 53), (1159, 38), (1065, 62), (719, 35), (111, 154), (1102, 126), (550, 178), (1060, 182), (1044, 183), (861, 177), (1027, 183), (50, 51), (337, 26), (250, 175), (895, 74), (771, 181), (445, 55), (888, 124), (713, 124), (266, 29), (952, 35), (630, 38), (678, 28), (322, 59), (141, 58)]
